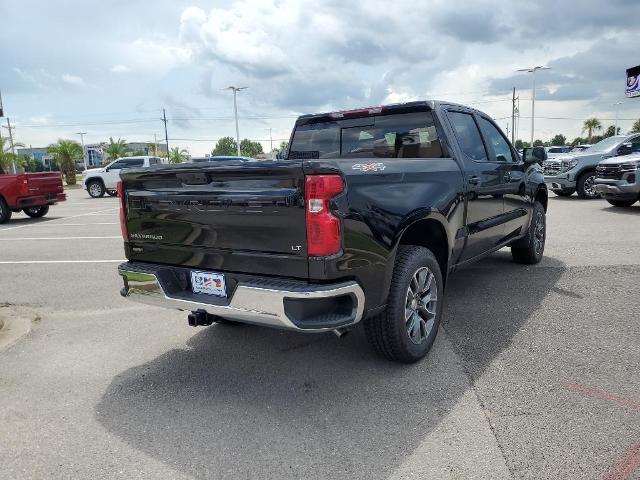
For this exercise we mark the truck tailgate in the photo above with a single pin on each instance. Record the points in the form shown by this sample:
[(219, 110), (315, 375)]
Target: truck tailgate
[(44, 183), (246, 218)]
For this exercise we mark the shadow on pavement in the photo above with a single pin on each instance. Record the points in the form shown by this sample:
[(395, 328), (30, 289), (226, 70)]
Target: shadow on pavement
[(632, 210), (248, 402)]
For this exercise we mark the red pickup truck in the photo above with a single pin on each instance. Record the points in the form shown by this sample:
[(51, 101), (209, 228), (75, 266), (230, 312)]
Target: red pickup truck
[(29, 192)]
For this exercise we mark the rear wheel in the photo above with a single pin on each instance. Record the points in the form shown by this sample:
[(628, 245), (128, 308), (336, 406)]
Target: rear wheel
[(37, 212), (5, 213), (586, 186), (621, 203), (96, 188), (406, 330), (530, 249), (565, 192)]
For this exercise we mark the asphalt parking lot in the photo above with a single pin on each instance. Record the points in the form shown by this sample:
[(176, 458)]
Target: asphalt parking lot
[(535, 374)]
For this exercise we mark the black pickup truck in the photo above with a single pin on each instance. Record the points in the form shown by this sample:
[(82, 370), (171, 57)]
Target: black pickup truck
[(362, 222)]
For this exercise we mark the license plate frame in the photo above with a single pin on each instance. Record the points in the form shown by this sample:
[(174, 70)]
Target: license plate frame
[(208, 283)]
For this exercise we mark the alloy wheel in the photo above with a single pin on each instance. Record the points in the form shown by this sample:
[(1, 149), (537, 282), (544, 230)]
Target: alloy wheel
[(421, 305), (590, 186), (539, 233)]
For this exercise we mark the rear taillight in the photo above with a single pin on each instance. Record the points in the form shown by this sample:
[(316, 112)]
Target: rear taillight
[(123, 210), (23, 180), (324, 232)]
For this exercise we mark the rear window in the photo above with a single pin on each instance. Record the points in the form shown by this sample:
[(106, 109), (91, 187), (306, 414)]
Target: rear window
[(406, 135)]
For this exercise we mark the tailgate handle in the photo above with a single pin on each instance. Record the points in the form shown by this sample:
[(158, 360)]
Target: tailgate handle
[(194, 178)]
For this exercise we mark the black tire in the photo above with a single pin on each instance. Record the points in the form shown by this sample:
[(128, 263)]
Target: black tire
[(390, 332), (112, 193), (96, 189), (530, 249), (5, 213), (585, 186), (567, 192), (621, 203), (37, 212)]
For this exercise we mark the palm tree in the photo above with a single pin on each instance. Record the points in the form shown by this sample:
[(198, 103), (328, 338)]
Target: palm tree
[(177, 155), (65, 153), (115, 149), (7, 158), (591, 124)]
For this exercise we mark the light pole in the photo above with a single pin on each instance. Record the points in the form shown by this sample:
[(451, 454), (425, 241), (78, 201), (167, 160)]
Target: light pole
[(84, 154), (270, 141), (235, 108), (533, 95), (616, 105)]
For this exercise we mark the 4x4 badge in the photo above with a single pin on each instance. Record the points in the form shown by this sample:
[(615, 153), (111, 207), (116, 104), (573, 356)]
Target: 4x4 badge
[(369, 167)]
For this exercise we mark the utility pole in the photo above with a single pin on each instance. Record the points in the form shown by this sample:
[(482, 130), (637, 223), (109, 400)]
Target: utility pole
[(235, 109), (13, 151), (166, 135), (616, 105), (270, 141), (155, 144), (513, 116), (84, 153), (533, 70)]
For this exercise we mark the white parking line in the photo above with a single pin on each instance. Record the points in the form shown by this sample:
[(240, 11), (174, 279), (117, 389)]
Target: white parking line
[(57, 238), (23, 262), (99, 212)]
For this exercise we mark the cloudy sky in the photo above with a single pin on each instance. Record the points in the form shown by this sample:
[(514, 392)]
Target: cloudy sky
[(109, 67)]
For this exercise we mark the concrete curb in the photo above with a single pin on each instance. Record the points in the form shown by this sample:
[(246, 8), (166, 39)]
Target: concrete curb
[(12, 328)]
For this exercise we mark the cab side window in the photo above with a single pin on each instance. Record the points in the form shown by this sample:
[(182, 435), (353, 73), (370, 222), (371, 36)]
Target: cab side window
[(496, 141), (468, 135)]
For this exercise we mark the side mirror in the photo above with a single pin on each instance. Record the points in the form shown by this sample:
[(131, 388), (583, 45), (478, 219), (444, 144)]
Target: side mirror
[(624, 149), (534, 155)]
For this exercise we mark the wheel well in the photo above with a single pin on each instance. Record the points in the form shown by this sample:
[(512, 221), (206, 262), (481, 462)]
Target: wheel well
[(432, 235), (542, 196), (94, 179)]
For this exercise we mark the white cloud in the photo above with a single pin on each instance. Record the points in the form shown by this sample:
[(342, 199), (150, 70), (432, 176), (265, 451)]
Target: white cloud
[(119, 69), (73, 80)]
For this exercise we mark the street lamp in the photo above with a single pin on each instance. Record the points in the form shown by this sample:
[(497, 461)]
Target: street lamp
[(84, 154), (533, 94), (235, 108), (616, 105)]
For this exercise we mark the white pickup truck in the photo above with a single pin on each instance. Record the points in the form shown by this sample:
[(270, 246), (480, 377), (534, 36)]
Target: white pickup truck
[(98, 181)]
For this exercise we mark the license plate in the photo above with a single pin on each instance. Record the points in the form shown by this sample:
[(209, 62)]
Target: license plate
[(208, 283)]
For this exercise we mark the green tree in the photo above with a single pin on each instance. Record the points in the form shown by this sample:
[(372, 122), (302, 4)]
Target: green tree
[(177, 155), (538, 143), (636, 127), (520, 144), (559, 140), (65, 153), (610, 131), (115, 148), (7, 158), (139, 152), (578, 141), (225, 146), (590, 125), (249, 148)]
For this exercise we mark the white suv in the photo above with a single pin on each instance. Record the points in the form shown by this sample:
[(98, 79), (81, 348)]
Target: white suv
[(98, 181)]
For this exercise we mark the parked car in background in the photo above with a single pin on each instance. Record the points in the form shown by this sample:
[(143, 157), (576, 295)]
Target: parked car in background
[(33, 193), (579, 148), (365, 219), (567, 174), (98, 181), (221, 158), (618, 180), (553, 152)]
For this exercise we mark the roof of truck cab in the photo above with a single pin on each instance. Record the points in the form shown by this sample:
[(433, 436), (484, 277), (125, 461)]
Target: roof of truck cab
[(378, 109)]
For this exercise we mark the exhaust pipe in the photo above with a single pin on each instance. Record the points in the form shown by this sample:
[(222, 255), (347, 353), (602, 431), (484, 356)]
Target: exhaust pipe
[(341, 332)]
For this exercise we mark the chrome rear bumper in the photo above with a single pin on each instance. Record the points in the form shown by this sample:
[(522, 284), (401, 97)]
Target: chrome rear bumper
[(289, 305)]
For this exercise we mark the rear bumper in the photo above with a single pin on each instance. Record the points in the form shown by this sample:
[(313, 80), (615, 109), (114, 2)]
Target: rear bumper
[(39, 200), (286, 304)]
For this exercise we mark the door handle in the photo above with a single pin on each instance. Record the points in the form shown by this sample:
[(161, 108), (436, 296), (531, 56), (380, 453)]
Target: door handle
[(474, 180), (507, 177)]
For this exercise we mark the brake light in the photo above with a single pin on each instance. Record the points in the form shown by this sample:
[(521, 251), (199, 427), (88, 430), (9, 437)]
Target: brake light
[(23, 180), (324, 231), (123, 210)]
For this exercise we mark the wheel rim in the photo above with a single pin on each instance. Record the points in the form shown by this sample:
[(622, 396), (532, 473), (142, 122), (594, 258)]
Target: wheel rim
[(421, 305), (589, 186), (94, 189), (539, 233)]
